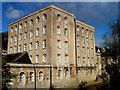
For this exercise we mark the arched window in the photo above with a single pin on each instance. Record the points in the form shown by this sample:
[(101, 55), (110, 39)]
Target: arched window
[(92, 61), (31, 22), (78, 28), (25, 47), (59, 73), (15, 38), (78, 49), (37, 19), (83, 61), (44, 29), (40, 75), (16, 28), (78, 38), (88, 51), (15, 49), (66, 45), (31, 77), (92, 51), (20, 37), (37, 58), (11, 29), (30, 47), (78, 72), (66, 73), (88, 71), (44, 43), (83, 49), (66, 32), (66, 20), (25, 23), (66, 58), (10, 49), (58, 17), (37, 32), (19, 48), (25, 35), (20, 26), (44, 57), (22, 77), (58, 30), (37, 45), (83, 40), (11, 39), (59, 43), (44, 17), (87, 32), (88, 62), (78, 60), (58, 57), (31, 33)]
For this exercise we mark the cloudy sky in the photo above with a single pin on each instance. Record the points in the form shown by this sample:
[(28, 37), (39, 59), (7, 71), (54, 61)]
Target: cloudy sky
[(97, 14)]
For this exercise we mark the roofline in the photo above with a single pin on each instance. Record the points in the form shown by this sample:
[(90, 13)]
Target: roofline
[(89, 26), (40, 10)]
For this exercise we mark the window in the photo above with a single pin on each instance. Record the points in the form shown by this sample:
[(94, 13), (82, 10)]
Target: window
[(91, 35), (11, 29), (83, 40), (66, 58), (30, 48), (19, 48), (11, 39), (58, 30), (66, 20), (78, 72), (88, 51), (88, 71), (44, 43), (87, 32), (66, 45), (37, 32), (44, 30), (31, 77), (15, 49), (83, 50), (25, 23), (78, 38), (37, 19), (15, 38), (78, 60), (58, 57), (44, 57), (20, 37), (22, 77), (87, 40), (82, 31), (78, 49), (83, 61), (44, 17), (31, 33), (16, 28), (31, 22), (58, 17), (25, 35), (37, 58), (37, 45), (93, 71), (66, 73), (66, 32), (31, 58), (10, 49), (78, 28), (40, 75), (25, 47), (59, 43), (59, 73), (20, 26)]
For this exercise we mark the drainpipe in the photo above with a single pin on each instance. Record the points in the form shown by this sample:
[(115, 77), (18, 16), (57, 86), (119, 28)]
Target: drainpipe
[(34, 77), (50, 77)]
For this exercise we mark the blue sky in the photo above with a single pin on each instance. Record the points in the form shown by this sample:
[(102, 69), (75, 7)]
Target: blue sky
[(97, 14)]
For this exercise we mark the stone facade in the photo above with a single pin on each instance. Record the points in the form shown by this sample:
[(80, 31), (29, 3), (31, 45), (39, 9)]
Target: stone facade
[(59, 46)]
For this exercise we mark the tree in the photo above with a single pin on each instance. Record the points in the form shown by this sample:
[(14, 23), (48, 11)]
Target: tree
[(112, 42), (6, 74)]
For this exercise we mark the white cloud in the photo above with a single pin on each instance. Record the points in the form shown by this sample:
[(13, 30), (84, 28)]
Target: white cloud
[(13, 13)]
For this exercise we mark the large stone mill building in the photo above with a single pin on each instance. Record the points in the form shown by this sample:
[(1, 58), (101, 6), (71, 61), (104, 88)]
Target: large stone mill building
[(61, 50)]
